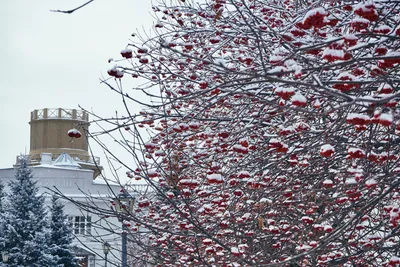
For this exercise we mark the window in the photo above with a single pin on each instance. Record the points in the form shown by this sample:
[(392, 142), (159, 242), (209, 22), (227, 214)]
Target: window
[(81, 225), (91, 261)]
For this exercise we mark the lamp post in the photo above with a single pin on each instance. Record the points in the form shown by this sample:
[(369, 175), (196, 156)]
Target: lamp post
[(4, 256), (124, 206), (106, 249)]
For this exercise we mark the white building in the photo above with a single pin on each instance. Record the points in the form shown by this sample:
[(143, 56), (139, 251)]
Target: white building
[(64, 164)]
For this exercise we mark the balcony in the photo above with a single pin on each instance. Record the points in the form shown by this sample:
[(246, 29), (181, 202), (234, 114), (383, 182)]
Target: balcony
[(60, 114), (79, 158)]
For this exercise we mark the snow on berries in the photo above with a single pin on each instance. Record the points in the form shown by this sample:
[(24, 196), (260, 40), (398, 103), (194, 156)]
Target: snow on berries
[(285, 92), (142, 50), (357, 119), (152, 174), (386, 119), (371, 183), (126, 53), (327, 183), (331, 54), (74, 133), (359, 24), (189, 183), (276, 59), (315, 18), (299, 100), (240, 149), (385, 89), (327, 150), (366, 10), (382, 29), (194, 125), (346, 76), (285, 130), (215, 40), (355, 153), (394, 261), (307, 220), (350, 39), (142, 203), (115, 72), (278, 145), (243, 174), (215, 178), (235, 251), (144, 60), (203, 85)]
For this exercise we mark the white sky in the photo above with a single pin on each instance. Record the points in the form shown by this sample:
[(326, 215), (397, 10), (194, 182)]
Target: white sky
[(51, 60)]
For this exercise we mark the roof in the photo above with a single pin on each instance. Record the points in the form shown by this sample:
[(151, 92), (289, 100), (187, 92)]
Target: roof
[(65, 160), (105, 181)]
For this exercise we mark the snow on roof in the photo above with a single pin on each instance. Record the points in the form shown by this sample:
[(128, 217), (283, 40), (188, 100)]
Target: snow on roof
[(102, 181), (65, 160), (49, 166)]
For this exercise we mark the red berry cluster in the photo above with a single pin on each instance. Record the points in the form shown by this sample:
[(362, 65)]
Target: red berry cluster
[(74, 133), (316, 20), (367, 12)]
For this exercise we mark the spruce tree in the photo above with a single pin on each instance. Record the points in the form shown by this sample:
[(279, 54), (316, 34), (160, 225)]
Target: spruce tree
[(26, 230), (2, 217), (61, 235), (2, 197)]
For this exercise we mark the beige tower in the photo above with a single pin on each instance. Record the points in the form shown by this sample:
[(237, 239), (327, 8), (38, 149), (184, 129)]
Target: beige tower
[(49, 135)]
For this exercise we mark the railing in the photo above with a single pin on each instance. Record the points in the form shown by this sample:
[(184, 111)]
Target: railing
[(59, 113), (35, 158)]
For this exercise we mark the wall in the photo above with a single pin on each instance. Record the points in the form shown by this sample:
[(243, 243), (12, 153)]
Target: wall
[(78, 185)]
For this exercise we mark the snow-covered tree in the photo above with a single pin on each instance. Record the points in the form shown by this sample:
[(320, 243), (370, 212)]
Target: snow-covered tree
[(2, 217), (61, 235), (27, 231), (2, 197), (274, 130)]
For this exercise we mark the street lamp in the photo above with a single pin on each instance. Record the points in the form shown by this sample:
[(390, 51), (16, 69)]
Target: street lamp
[(4, 255), (124, 206), (106, 249)]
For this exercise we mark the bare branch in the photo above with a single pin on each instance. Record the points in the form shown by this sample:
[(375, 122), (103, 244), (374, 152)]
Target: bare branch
[(73, 10)]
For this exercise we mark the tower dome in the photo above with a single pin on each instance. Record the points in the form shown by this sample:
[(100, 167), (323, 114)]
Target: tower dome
[(49, 128)]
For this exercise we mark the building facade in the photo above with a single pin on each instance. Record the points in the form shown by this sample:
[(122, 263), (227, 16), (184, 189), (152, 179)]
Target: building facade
[(62, 164)]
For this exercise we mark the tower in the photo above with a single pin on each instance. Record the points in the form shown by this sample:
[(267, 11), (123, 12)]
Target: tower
[(49, 138)]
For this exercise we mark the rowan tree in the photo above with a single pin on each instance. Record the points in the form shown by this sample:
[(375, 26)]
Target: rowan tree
[(274, 133)]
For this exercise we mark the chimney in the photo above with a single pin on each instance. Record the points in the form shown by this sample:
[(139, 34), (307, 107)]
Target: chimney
[(45, 158)]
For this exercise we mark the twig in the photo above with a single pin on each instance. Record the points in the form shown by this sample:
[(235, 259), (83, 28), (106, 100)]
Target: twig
[(72, 10)]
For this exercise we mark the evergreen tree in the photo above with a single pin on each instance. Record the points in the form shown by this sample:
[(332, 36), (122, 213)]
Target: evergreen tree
[(2, 217), (2, 197), (26, 231), (61, 235)]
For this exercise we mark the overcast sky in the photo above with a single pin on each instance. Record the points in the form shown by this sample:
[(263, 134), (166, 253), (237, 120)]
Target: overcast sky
[(51, 60)]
